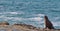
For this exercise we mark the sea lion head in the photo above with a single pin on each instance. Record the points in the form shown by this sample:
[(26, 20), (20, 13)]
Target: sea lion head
[(45, 17)]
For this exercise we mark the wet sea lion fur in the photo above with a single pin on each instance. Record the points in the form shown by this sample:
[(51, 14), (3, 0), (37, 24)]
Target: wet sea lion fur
[(48, 24)]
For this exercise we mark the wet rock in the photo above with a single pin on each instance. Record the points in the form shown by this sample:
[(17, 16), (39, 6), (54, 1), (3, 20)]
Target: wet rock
[(25, 25), (4, 23)]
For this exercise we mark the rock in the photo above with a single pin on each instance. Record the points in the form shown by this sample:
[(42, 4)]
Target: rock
[(4, 23), (48, 24), (25, 25)]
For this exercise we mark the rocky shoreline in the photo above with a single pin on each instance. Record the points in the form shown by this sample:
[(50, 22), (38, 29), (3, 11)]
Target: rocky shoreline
[(23, 27), (4, 26)]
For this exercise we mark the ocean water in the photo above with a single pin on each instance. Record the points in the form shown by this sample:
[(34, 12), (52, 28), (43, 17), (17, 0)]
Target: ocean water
[(30, 12)]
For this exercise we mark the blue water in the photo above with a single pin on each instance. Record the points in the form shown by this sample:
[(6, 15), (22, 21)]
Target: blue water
[(30, 12)]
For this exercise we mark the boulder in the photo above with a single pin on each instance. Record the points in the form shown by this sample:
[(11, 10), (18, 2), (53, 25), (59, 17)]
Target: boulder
[(4, 23)]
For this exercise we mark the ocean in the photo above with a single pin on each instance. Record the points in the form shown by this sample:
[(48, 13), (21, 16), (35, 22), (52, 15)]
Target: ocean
[(30, 12)]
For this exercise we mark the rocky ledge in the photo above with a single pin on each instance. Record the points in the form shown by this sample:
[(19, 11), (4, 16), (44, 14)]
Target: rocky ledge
[(4, 26), (23, 27)]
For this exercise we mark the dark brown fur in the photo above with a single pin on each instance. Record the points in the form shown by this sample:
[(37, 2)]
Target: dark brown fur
[(48, 24)]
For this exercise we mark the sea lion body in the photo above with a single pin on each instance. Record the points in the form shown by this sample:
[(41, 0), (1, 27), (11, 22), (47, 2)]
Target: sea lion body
[(48, 24)]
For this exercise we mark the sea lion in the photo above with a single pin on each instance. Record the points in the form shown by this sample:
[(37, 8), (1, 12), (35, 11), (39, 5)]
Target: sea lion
[(48, 24)]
